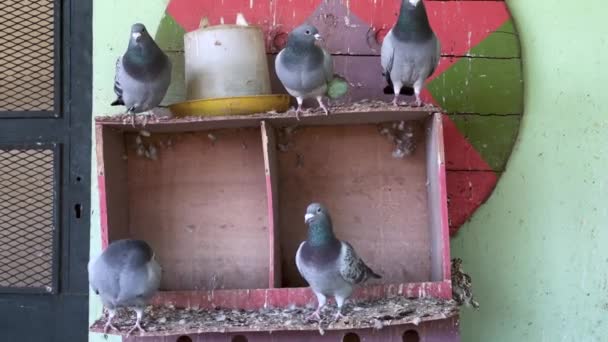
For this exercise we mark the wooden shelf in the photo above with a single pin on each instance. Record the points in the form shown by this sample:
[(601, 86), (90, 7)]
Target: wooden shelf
[(223, 199), (359, 113), (169, 321)]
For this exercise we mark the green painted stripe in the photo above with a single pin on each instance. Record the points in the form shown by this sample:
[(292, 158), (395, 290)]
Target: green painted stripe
[(492, 137), (177, 89), (480, 85), (170, 35), (502, 43)]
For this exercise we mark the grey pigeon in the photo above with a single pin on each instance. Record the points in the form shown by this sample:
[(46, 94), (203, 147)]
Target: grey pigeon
[(330, 266), (143, 74), (410, 51), (125, 275), (304, 68)]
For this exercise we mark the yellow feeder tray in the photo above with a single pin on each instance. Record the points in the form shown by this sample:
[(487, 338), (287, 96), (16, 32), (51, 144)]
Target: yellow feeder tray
[(238, 105)]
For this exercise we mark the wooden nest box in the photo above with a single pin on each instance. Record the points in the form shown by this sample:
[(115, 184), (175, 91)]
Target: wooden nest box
[(221, 200)]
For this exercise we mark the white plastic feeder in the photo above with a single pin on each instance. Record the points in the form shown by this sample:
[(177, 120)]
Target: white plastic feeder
[(226, 61)]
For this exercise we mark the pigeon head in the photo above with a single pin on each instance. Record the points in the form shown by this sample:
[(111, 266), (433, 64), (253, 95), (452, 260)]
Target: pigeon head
[(303, 36), (412, 3), (139, 34), (413, 22), (320, 229), (143, 58)]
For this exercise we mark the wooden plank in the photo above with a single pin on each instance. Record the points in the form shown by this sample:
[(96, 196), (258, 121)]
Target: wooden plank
[(437, 200), (271, 170), (112, 178), (354, 114), (421, 311), (444, 330), (251, 299), (202, 206)]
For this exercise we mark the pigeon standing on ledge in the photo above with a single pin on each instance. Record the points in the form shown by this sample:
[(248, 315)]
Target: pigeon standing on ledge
[(306, 70), (410, 51), (330, 266), (125, 275), (143, 74)]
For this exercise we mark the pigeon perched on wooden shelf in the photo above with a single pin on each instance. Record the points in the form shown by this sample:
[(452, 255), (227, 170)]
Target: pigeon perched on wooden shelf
[(306, 70), (410, 51), (143, 74), (125, 275), (330, 266)]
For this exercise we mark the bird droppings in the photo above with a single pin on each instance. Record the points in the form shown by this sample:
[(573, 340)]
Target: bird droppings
[(462, 287), (285, 141), (148, 151), (403, 135), (168, 320)]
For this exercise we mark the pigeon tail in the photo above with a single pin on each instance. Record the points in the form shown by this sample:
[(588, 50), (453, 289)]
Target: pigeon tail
[(373, 274), (389, 90), (118, 102)]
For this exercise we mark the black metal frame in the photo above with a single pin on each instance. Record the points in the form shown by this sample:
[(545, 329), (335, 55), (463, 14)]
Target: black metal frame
[(59, 39), (62, 313), (57, 199)]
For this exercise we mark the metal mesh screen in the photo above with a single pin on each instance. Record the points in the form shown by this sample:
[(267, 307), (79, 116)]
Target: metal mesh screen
[(27, 181), (27, 55)]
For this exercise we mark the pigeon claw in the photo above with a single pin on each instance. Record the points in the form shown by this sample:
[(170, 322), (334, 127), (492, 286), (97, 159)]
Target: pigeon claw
[(395, 102), (109, 326), (325, 110), (314, 316), (132, 112), (322, 105), (136, 326), (338, 316)]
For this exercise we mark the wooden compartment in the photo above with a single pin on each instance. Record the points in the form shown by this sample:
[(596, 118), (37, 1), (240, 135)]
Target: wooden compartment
[(201, 204), (223, 205), (377, 202)]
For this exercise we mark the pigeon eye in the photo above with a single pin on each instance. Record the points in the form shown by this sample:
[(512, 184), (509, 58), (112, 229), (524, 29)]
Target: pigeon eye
[(319, 210), (307, 31)]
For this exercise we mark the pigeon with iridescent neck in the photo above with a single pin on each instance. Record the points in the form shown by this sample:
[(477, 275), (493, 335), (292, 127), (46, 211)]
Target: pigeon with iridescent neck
[(143, 74), (331, 267), (410, 51)]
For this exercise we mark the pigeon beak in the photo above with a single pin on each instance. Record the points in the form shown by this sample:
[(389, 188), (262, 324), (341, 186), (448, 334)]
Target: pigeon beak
[(318, 36), (308, 217), (136, 36)]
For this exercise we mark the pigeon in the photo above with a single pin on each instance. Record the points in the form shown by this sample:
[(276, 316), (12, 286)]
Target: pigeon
[(410, 51), (125, 275), (143, 74), (305, 69), (330, 266)]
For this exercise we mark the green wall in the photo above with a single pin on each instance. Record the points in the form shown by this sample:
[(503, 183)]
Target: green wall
[(111, 28), (537, 249), (533, 249)]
